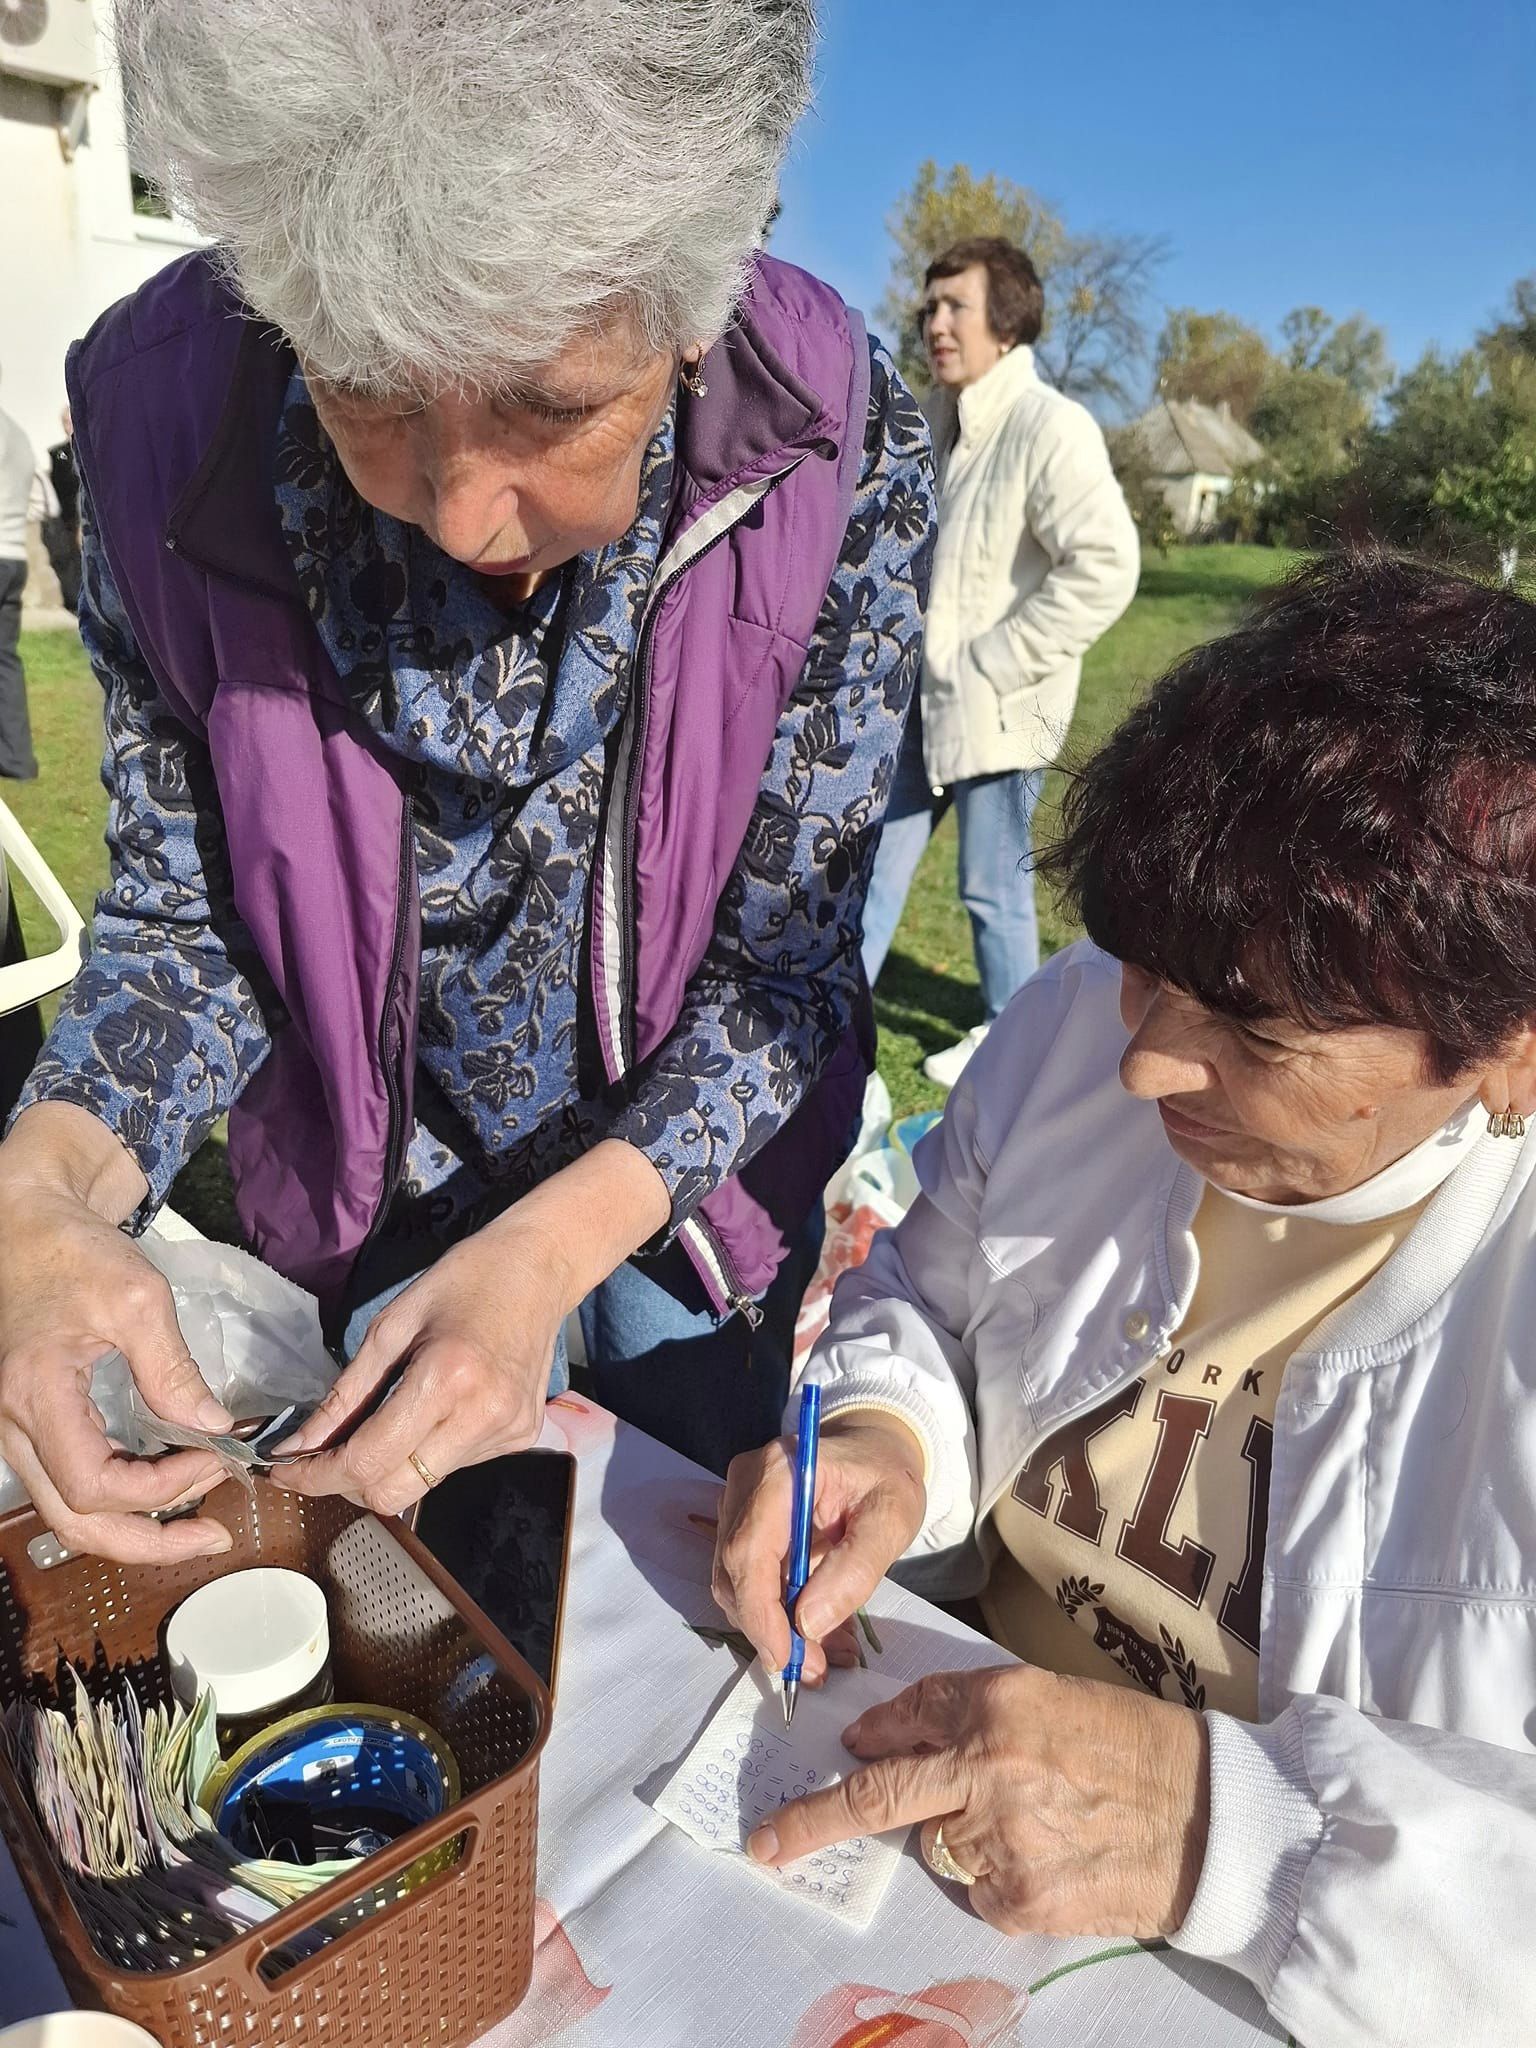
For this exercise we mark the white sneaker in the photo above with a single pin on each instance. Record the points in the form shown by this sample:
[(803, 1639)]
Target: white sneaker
[(945, 1068)]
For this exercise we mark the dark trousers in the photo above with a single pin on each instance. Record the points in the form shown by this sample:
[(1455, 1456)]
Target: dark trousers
[(707, 1388), (18, 763)]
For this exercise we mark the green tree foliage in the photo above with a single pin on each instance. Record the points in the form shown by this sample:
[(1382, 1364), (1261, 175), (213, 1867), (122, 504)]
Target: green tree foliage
[(1213, 357), (1312, 424), (1423, 461), (1094, 343), (1144, 498), (1309, 420), (1513, 337), (1449, 417), (1438, 417), (1353, 350), (1495, 503)]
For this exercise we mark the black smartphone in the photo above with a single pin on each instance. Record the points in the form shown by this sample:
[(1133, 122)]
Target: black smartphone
[(504, 1531)]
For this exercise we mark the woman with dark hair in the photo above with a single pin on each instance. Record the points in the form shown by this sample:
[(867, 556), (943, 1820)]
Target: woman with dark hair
[(1036, 557), (1206, 1356)]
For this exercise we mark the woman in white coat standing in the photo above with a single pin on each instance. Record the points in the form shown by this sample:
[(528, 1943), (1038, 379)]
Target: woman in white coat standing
[(1036, 557)]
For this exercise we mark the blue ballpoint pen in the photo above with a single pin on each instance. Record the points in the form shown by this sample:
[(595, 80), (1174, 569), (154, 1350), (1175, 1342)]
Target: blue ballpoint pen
[(800, 1536)]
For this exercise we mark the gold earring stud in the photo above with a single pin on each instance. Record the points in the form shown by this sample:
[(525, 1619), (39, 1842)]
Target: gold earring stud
[(1505, 1123)]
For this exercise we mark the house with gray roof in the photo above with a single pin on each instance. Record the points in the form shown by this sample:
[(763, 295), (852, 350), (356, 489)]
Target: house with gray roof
[(1193, 452)]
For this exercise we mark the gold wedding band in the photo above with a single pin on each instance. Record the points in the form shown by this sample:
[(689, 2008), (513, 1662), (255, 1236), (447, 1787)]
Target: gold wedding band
[(426, 1478), (943, 1864)]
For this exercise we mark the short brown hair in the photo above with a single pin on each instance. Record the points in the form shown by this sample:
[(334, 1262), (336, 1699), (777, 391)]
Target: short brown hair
[(1015, 295), (1329, 815)]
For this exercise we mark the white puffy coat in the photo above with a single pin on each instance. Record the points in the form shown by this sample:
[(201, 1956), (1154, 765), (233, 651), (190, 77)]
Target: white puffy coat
[(1036, 557), (1372, 1856)]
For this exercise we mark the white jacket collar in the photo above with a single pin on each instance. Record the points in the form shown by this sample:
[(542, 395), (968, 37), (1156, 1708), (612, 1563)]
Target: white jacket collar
[(984, 403)]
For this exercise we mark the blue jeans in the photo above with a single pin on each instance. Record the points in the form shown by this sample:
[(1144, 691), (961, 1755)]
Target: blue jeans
[(995, 814), (708, 1388), (910, 816)]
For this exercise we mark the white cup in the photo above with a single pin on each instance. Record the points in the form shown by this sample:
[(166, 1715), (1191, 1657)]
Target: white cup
[(77, 2030)]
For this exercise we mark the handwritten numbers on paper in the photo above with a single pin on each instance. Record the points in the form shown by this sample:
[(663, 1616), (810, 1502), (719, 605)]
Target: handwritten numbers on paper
[(769, 1775), (746, 1766)]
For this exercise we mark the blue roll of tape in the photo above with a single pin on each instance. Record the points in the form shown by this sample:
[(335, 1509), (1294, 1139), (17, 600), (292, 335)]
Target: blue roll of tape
[(362, 1775)]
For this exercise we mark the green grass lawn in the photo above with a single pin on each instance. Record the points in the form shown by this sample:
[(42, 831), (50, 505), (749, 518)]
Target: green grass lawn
[(928, 993)]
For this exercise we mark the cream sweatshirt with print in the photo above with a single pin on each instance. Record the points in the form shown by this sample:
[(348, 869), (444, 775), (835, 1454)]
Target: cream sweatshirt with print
[(1133, 1538)]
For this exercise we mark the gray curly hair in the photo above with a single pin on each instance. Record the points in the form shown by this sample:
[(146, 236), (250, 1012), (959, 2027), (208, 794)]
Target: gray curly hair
[(444, 193)]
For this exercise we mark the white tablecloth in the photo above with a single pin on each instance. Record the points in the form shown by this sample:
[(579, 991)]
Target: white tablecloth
[(648, 1941)]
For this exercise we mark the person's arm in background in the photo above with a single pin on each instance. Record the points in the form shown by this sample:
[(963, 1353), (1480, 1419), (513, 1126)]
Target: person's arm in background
[(154, 1040), (1076, 512)]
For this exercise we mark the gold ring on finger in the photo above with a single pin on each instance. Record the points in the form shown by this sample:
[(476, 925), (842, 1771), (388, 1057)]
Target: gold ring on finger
[(942, 1863), (427, 1478)]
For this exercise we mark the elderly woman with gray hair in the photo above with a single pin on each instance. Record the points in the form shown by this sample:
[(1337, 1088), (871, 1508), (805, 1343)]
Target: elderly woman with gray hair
[(506, 584)]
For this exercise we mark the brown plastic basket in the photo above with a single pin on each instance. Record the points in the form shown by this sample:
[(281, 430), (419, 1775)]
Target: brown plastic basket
[(434, 1966)]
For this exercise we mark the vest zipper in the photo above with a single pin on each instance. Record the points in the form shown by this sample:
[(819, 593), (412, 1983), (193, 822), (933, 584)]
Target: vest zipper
[(705, 1250), (394, 1140), (612, 905)]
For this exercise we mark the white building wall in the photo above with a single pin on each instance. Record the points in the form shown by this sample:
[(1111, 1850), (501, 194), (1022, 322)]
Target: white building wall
[(1195, 501), (70, 242)]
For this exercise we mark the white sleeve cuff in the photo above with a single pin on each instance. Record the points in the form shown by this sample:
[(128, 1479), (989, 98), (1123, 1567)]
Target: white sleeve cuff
[(869, 1404), (1264, 1829), (874, 1392)]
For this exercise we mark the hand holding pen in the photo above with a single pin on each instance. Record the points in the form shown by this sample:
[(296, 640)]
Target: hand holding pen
[(804, 1500), (867, 1501)]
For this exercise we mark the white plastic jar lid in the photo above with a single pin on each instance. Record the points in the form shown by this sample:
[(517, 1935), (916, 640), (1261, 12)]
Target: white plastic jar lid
[(254, 1639)]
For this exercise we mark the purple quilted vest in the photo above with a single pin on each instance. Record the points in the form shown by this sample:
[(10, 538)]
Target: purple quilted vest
[(175, 395)]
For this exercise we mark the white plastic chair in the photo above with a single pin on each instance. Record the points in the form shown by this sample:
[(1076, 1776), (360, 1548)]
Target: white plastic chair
[(28, 981)]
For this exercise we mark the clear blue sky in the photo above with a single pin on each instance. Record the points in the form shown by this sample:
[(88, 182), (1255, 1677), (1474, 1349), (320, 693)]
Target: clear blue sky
[(1372, 155)]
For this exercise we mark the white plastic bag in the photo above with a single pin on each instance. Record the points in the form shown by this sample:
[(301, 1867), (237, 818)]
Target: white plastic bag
[(255, 1337), (876, 1119)]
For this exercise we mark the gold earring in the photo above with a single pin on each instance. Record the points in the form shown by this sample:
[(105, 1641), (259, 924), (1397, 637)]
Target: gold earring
[(1505, 1123), (693, 379)]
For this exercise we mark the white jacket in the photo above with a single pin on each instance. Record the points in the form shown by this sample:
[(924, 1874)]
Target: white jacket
[(16, 467), (1036, 557), (1372, 1855)]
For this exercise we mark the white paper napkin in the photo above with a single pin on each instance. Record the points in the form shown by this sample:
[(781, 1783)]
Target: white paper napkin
[(746, 1765)]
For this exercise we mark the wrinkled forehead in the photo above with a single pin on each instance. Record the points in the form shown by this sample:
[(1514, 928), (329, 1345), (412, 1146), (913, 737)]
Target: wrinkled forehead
[(595, 367)]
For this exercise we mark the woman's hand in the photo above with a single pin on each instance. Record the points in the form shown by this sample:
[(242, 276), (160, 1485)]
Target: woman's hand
[(870, 1500), (475, 1336), (73, 1288), (1081, 1808)]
